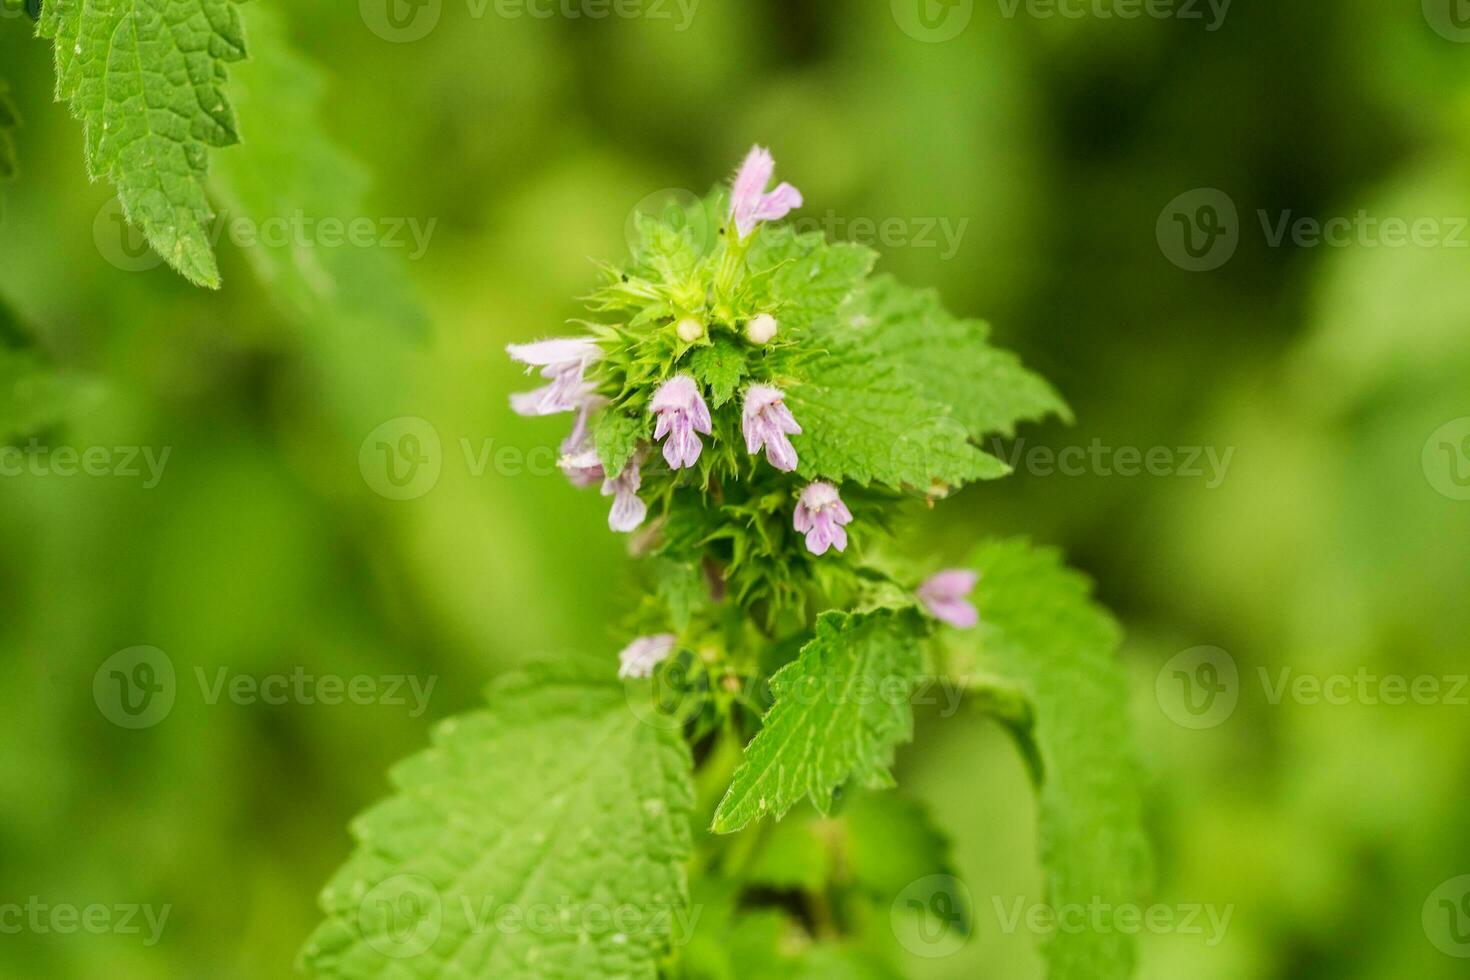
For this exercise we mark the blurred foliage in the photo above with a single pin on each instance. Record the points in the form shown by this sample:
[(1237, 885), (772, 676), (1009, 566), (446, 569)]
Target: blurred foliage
[(1056, 142)]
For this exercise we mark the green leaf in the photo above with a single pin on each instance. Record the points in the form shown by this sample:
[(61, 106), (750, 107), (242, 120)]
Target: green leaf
[(719, 368), (892, 841), (617, 438), (557, 806), (949, 359), (33, 397), (841, 708), (146, 78), (800, 277), (862, 420), (289, 168), (1040, 632)]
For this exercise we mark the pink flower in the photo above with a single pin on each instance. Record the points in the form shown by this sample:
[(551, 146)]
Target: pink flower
[(749, 202), (681, 413), (563, 362), (638, 658), (766, 421), (579, 460), (820, 514), (943, 594), (583, 469), (628, 509)]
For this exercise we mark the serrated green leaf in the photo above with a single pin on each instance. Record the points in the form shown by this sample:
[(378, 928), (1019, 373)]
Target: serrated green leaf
[(617, 438), (1040, 631), (841, 708), (289, 167), (146, 78), (801, 277), (558, 804), (862, 420), (719, 368), (949, 359)]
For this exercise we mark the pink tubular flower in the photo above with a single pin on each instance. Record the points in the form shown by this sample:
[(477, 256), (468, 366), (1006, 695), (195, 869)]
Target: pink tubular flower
[(681, 413), (628, 509), (766, 421), (749, 202), (563, 362), (820, 514), (638, 658), (943, 594), (583, 469)]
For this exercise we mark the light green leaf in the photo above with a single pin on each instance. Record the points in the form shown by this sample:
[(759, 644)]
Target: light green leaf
[(146, 78), (950, 360), (1040, 632), (892, 841), (719, 368), (800, 277), (559, 807), (617, 438), (841, 708), (862, 420)]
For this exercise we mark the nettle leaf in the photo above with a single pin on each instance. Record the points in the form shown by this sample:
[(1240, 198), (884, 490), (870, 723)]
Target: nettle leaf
[(289, 167), (801, 277), (146, 78), (1040, 632), (865, 421), (617, 438), (949, 359), (841, 708), (558, 809), (719, 369)]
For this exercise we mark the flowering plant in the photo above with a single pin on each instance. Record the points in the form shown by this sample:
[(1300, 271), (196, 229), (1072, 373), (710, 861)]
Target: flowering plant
[(760, 410)]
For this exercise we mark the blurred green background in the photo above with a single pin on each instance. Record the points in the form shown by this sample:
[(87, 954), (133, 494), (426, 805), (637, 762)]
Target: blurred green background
[(1337, 541)]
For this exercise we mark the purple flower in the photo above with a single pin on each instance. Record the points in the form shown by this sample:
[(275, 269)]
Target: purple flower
[(943, 594), (638, 658), (583, 468), (766, 421), (628, 510), (563, 362), (749, 202), (820, 514), (681, 413)]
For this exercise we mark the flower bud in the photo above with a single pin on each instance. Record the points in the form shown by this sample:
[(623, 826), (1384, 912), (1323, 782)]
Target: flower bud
[(690, 330), (761, 329)]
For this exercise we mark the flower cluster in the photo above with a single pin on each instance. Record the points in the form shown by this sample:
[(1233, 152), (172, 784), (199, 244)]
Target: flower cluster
[(642, 402)]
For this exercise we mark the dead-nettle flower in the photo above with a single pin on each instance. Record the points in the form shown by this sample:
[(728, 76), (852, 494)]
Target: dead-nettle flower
[(681, 413), (761, 329), (563, 361), (766, 421), (628, 509), (749, 202), (638, 658), (943, 594), (820, 514), (689, 329), (583, 469)]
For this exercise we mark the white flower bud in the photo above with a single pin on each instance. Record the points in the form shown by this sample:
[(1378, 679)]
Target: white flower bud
[(761, 329), (690, 330)]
